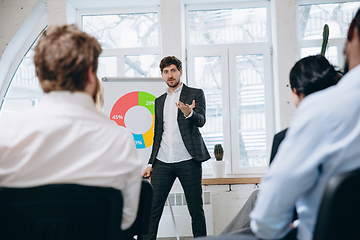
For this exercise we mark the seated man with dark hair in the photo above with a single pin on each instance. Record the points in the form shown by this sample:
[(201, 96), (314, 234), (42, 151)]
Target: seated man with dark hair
[(64, 139)]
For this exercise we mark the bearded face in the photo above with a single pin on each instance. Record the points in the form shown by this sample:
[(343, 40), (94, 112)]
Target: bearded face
[(171, 75)]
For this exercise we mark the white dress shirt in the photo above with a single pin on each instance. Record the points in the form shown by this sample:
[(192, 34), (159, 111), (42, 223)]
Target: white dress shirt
[(323, 140), (172, 148), (64, 139)]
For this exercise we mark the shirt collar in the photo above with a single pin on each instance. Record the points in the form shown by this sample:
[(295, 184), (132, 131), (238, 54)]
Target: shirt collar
[(67, 97), (177, 90)]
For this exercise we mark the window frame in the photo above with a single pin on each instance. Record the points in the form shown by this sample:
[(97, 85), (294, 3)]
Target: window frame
[(221, 51), (228, 53)]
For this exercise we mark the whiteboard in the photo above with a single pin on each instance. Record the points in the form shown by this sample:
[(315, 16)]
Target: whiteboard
[(130, 103)]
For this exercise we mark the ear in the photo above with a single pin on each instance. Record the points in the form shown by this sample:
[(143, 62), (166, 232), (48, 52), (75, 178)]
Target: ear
[(300, 95), (91, 83), (181, 72), (91, 75)]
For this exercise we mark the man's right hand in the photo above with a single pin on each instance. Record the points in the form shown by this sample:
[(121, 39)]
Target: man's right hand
[(147, 172)]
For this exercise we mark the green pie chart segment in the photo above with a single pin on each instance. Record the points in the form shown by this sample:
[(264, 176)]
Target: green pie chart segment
[(147, 100)]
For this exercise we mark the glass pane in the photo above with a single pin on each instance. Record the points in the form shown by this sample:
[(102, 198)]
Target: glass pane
[(331, 53), (123, 30), (337, 15), (227, 26), (107, 67), (208, 78), (172, 199), (251, 110), (24, 89), (25, 84), (178, 199), (142, 66)]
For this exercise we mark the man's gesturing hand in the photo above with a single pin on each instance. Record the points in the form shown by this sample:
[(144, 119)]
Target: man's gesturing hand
[(186, 109)]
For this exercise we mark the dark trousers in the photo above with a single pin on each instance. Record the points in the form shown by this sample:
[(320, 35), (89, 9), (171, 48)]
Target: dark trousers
[(162, 179)]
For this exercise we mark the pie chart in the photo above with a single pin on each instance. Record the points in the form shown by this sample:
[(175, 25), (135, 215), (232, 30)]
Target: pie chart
[(135, 111)]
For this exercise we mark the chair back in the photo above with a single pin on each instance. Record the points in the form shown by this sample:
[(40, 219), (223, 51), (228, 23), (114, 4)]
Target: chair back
[(60, 212), (339, 213), (141, 225)]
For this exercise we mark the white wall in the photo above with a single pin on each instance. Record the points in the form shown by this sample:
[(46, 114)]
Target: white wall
[(172, 37), (12, 15), (283, 19), (227, 203)]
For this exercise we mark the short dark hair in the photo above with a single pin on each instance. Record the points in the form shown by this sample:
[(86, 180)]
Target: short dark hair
[(63, 56), (312, 74), (169, 60)]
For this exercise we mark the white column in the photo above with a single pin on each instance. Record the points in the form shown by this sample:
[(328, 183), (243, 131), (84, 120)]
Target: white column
[(56, 12), (12, 16), (283, 13), (172, 28), (70, 13)]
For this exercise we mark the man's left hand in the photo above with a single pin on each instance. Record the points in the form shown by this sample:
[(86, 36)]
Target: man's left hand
[(186, 108)]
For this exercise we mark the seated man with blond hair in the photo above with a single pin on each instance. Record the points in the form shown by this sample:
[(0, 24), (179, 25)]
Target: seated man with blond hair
[(64, 139)]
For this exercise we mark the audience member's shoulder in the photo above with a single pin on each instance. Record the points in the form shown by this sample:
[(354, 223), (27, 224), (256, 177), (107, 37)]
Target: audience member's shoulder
[(319, 100), (113, 126), (334, 97), (332, 107), (13, 125), (14, 118)]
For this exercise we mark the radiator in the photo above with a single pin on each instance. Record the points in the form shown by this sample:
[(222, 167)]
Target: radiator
[(182, 216)]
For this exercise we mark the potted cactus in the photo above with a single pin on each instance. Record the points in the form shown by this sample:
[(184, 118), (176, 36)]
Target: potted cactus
[(219, 166), (218, 152)]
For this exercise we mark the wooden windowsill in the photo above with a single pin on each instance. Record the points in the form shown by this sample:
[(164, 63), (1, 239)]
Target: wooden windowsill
[(230, 181)]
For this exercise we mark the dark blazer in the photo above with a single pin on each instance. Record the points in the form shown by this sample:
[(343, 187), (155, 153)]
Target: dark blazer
[(189, 128), (276, 143)]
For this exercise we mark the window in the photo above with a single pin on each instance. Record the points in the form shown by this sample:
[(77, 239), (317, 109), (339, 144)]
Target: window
[(136, 55), (222, 26), (228, 52), (130, 42), (20, 87), (251, 109), (24, 90), (311, 20)]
